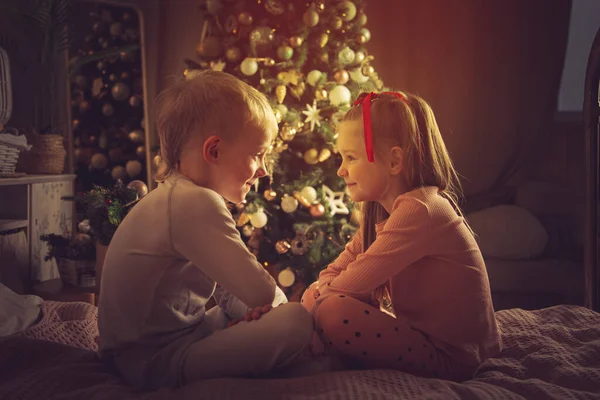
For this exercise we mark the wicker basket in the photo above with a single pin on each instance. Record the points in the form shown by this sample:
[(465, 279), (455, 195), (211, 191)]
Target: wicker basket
[(47, 156)]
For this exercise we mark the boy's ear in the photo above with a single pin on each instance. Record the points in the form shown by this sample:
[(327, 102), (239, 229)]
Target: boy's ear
[(396, 160), (211, 150)]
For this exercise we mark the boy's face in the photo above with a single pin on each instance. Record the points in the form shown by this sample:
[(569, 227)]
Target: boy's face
[(241, 163)]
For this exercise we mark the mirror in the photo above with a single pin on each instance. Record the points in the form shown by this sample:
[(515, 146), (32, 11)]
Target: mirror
[(107, 138)]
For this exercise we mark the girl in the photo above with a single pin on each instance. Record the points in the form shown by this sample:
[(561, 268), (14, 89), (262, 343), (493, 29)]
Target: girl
[(410, 292)]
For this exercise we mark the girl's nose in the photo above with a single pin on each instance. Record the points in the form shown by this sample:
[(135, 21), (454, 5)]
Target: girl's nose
[(341, 172)]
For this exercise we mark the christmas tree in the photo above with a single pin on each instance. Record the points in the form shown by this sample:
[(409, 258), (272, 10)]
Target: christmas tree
[(107, 96), (310, 59)]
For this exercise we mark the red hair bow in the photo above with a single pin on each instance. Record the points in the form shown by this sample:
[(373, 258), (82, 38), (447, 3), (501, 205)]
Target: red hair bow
[(365, 100)]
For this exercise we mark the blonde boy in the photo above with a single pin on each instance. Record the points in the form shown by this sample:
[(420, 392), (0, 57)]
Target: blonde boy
[(179, 247)]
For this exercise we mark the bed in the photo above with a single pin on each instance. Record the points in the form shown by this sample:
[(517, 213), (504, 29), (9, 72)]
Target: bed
[(552, 353)]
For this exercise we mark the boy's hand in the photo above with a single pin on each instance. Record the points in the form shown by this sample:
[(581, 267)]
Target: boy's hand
[(252, 314)]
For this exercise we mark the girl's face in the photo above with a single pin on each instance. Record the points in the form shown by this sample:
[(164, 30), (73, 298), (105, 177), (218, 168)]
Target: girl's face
[(366, 181)]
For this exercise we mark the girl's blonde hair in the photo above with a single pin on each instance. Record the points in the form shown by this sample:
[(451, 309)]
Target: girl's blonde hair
[(206, 103), (410, 125)]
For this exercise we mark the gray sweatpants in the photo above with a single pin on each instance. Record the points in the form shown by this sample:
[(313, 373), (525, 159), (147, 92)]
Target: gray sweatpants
[(214, 350)]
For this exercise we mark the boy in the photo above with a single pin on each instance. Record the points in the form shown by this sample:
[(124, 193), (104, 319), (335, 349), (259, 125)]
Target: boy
[(179, 246)]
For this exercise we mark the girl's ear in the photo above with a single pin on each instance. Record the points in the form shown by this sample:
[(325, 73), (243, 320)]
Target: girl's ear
[(396, 160), (211, 149)]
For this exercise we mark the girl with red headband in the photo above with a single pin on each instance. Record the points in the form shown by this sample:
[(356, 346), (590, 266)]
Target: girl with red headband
[(410, 292)]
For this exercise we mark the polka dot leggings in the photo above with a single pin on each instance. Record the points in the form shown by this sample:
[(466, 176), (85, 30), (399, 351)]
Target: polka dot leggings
[(372, 339)]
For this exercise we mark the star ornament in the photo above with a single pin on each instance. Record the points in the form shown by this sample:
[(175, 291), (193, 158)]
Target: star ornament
[(218, 66), (313, 116), (335, 201)]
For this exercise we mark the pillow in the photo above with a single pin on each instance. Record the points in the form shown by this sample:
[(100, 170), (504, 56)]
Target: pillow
[(17, 312), (508, 232)]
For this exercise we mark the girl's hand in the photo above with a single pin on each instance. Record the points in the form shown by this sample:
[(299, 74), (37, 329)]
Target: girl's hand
[(252, 314)]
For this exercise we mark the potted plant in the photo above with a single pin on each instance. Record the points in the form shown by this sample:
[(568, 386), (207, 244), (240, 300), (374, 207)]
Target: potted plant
[(75, 257)]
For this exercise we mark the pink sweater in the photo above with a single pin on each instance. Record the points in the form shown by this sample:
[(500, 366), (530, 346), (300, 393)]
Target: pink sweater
[(426, 255)]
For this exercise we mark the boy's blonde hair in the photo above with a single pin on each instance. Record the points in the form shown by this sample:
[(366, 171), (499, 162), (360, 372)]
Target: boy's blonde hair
[(412, 126), (206, 103)]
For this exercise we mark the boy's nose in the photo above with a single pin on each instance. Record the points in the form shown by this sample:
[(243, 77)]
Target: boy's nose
[(341, 172)]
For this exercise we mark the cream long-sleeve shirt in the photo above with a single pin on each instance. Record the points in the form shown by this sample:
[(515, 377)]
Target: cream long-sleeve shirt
[(163, 265), (434, 269)]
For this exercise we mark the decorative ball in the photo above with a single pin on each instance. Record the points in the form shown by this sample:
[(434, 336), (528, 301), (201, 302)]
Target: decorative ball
[(136, 136), (341, 76), (120, 91), (311, 156), (233, 54), (309, 193), (314, 77), (270, 194), (116, 28), (317, 210), (118, 172), (282, 108), (135, 101), (361, 19), (99, 161), (289, 204), (287, 133), (278, 116), (296, 41), (84, 106), (140, 151), (360, 38), (209, 47), (347, 10), (282, 246), (249, 67), (286, 277), (357, 76), (108, 109), (324, 154), (285, 52), (310, 18), (81, 80), (324, 57), (259, 219), (245, 18), (300, 245), (156, 160), (367, 70), (247, 230), (133, 168), (321, 94), (261, 38), (214, 6), (337, 23), (340, 95), (101, 65), (359, 57), (84, 226), (366, 33), (346, 56), (323, 39), (140, 187)]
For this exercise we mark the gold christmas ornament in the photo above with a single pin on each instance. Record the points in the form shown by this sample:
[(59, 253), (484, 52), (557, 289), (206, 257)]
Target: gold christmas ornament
[(249, 66), (337, 23), (298, 91), (243, 219), (156, 160), (324, 57), (136, 136), (289, 204), (347, 10), (140, 188), (287, 133), (310, 18), (309, 193), (133, 168), (359, 57), (280, 92), (247, 230), (360, 38), (290, 77), (135, 101), (233, 54), (118, 172), (140, 151), (321, 94), (366, 33), (296, 41), (278, 115), (317, 210), (259, 219), (301, 199), (99, 161), (323, 39), (120, 91), (341, 76), (311, 156), (270, 194), (324, 154), (282, 246), (245, 18), (361, 19), (367, 70)]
